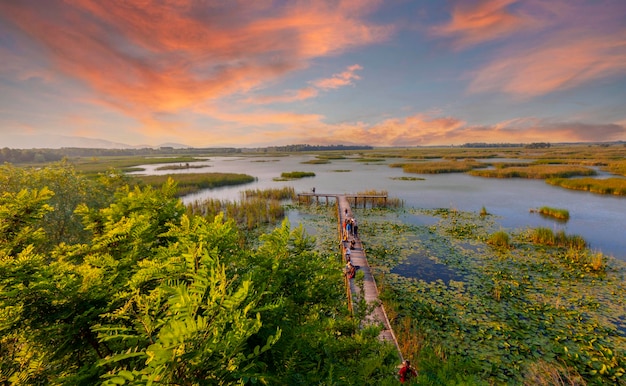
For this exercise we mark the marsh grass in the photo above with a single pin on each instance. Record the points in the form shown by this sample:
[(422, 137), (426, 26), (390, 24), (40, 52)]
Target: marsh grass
[(366, 159), (499, 239), (535, 172), (543, 373), (182, 167), (615, 186), (286, 193), (437, 167), (316, 162), (545, 236), (561, 214), (248, 213), (295, 175), (193, 182), (94, 165), (408, 178), (617, 167)]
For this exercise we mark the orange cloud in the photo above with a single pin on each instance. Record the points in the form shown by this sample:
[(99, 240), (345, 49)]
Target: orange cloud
[(477, 22), (423, 130), (152, 56), (564, 61), (341, 79)]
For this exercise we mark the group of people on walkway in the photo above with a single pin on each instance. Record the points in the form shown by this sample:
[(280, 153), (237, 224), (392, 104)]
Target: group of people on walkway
[(349, 233), (350, 227)]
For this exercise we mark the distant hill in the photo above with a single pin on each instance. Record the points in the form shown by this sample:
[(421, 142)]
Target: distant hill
[(53, 141)]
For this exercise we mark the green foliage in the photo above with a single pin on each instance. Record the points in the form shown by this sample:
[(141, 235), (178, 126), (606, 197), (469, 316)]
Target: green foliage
[(69, 190), (153, 296)]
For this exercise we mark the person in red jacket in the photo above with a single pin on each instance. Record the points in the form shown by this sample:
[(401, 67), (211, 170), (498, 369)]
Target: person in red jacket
[(407, 372)]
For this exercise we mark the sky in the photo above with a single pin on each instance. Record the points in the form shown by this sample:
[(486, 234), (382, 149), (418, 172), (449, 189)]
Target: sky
[(218, 73)]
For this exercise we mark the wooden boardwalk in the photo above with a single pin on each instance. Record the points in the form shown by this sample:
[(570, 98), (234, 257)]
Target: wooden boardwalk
[(362, 198), (369, 292)]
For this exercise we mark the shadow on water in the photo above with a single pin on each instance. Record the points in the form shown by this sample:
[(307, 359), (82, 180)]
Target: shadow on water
[(421, 267)]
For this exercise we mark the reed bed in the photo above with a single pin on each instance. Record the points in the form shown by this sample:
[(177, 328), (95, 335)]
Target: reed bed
[(561, 214), (617, 167), (193, 182), (296, 175), (615, 186), (500, 239), (182, 167), (535, 172), (545, 236), (247, 213), (440, 166), (94, 165), (316, 162), (286, 193)]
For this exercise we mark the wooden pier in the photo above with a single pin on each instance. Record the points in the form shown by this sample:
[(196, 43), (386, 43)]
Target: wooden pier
[(369, 291), (355, 198)]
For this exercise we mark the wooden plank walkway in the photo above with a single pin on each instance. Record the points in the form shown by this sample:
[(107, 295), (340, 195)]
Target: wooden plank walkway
[(355, 197), (370, 292)]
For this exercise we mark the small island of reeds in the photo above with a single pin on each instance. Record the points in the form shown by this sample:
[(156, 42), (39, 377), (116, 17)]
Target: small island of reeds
[(560, 214), (435, 167), (616, 186), (286, 176), (535, 171)]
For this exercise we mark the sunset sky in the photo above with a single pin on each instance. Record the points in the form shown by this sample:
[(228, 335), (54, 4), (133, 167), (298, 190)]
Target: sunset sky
[(212, 73)]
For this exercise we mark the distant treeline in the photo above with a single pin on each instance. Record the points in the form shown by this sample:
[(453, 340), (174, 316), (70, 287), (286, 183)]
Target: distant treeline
[(304, 147), (17, 156), (534, 145), (20, 156)]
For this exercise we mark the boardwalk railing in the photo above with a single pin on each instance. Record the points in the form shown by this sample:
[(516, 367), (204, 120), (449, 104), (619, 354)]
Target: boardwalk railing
[(363, 198)]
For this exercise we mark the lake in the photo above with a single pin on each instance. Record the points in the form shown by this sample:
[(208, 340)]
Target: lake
[(599, 219)]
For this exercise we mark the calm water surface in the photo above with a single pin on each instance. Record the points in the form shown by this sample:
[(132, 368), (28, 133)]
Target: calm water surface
[(601, 220)]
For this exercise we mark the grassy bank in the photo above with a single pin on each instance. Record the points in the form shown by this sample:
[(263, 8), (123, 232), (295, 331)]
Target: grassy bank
[(615, 186), (95, 165), (286, 176), (535, 171), (192, 182), (439, 166)]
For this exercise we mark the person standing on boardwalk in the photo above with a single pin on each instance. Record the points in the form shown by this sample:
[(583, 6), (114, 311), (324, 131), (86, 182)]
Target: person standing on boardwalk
[(407, 372), (355, 228)]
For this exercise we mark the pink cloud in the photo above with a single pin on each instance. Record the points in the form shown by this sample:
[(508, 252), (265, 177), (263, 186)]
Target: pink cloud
[(341, 79), (481, 21), (564, 61), (154, 56)]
